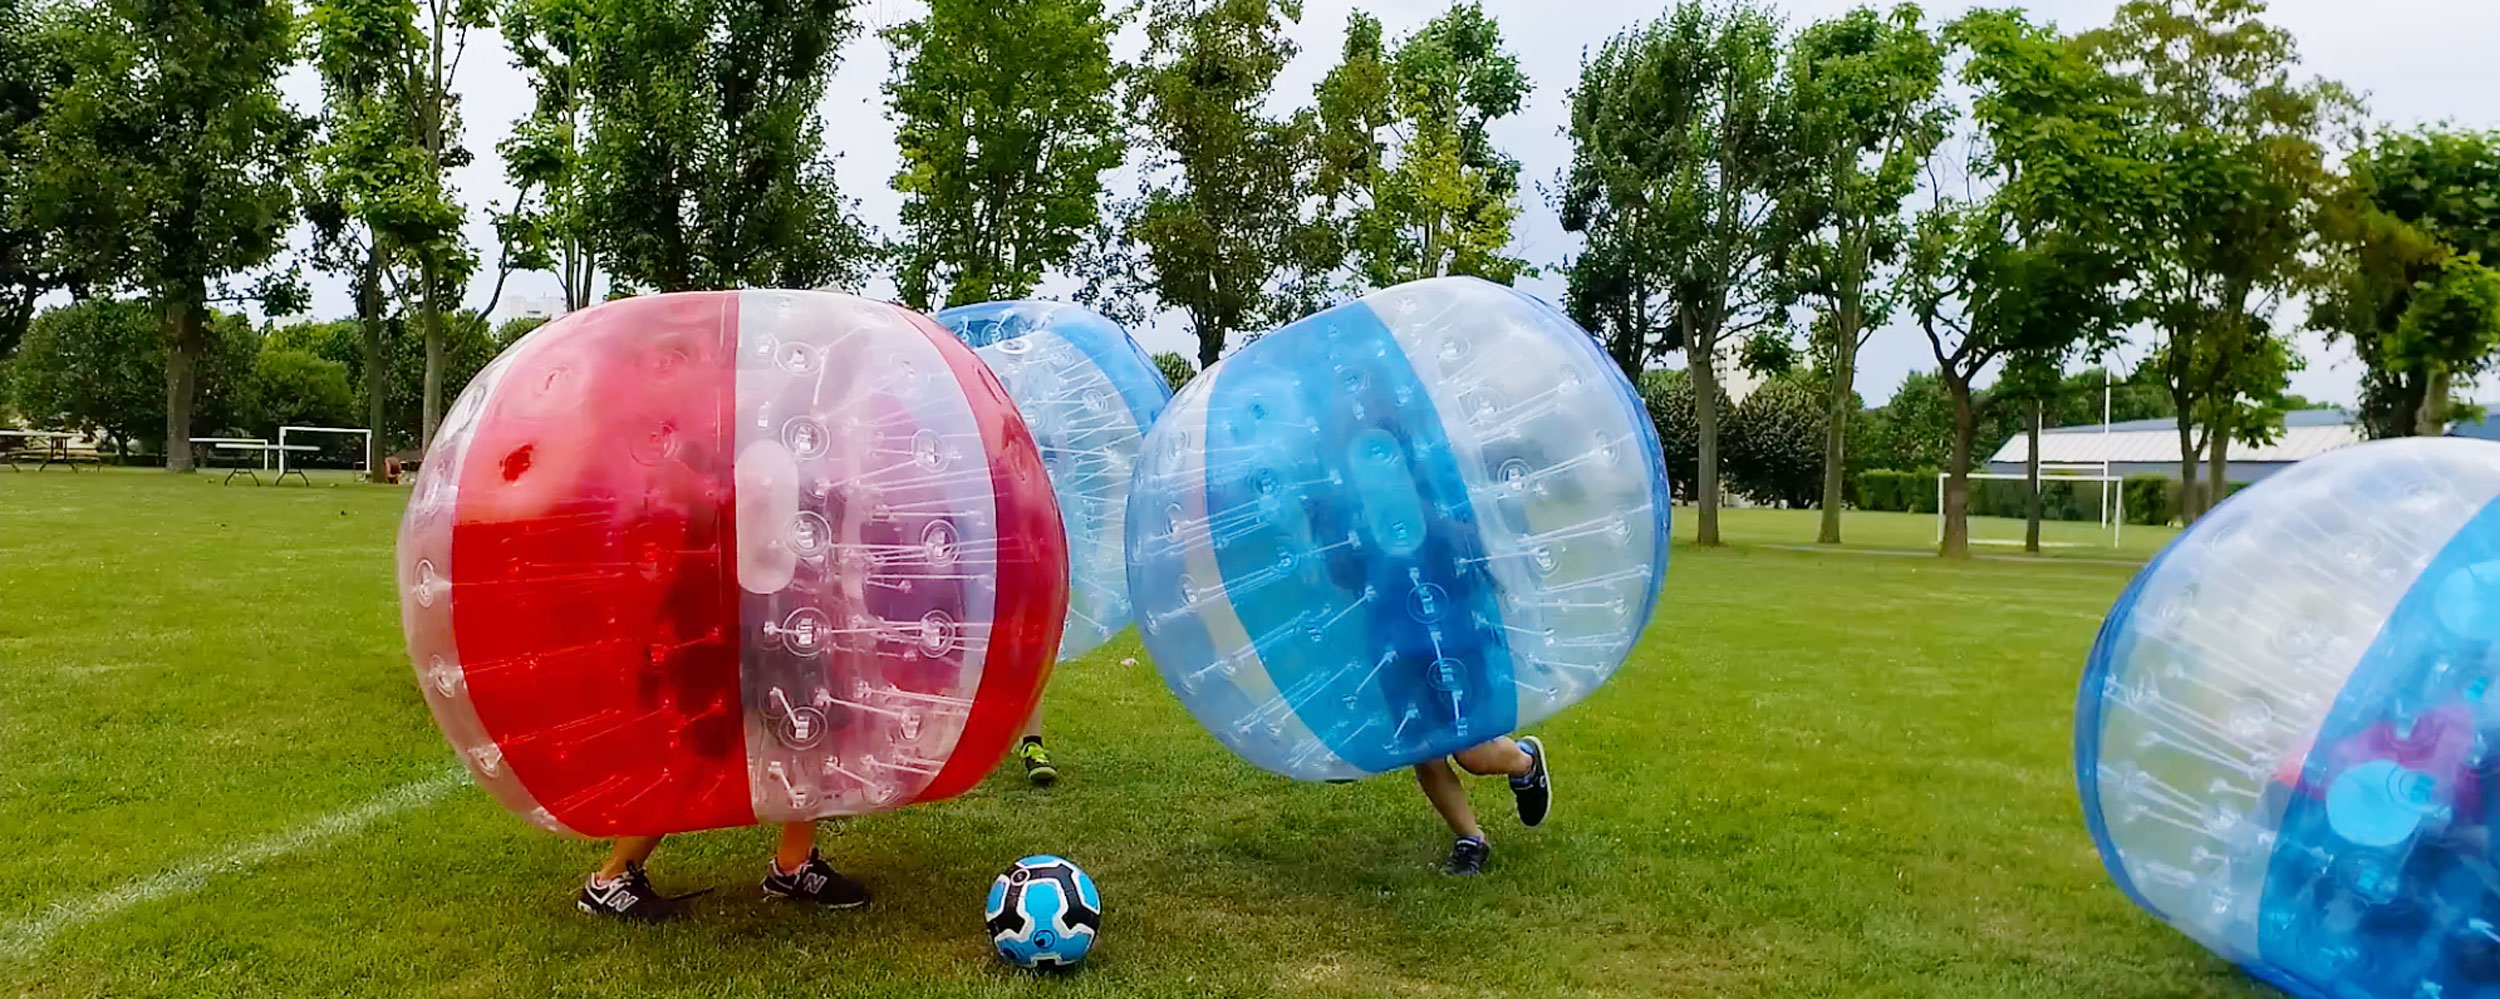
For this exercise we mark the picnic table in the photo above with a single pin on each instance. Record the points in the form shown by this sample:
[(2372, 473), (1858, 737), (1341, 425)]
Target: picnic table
[(264, 449), (55, 446)]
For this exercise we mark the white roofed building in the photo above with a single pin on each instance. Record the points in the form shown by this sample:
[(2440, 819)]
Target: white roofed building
[(2140, 446)]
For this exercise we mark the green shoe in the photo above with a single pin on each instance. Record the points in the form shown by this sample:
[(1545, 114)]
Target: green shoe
[(1037, 766)]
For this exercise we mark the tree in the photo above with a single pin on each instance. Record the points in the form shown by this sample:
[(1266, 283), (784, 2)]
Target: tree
[(295, 388), (1916, 426), (549, 225), (1669, 398), (1225, 220), (168, 159), (705, 160), (98, 366), (1003, 157), (2413, 234), (1176, 369), (1775, 440), (2236, 148), (442, 257), (2038, 262), (1407, 153), (512, 330), (32, 67), (371, 198), (1679, 141), (1868, 116)]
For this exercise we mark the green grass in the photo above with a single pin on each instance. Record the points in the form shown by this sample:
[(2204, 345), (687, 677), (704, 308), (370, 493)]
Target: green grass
[(1822, 775)]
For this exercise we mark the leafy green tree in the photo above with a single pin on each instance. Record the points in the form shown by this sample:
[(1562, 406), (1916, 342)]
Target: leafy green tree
[(1406, 148), (1865, 88), (2036, 264), (1221, 220), (1003, 157), (1680, 140), (1769, 353), (2414, 234), (2241, 169), (1176, 369), (296, 388), (548, 227), (1669, 398), (1916, 426), (1775, 440), (513, 329), (706, 159), (33, 66), (168, 159), (98, 366)]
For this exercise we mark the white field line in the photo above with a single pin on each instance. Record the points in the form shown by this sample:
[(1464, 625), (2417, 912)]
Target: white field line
[(27, 937)]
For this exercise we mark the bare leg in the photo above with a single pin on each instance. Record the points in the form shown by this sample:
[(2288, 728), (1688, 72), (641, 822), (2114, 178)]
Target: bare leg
[(1441, 785), (629, 850), (1033, 725), (798, 839), (1500, 756)]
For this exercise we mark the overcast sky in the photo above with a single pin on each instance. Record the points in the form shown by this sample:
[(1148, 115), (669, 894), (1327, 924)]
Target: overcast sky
[(2418, 61)]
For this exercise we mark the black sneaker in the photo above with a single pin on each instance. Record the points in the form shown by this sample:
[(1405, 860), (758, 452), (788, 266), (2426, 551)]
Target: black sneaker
[(630, 897), (816, 881), (1037, 766), (1467, 856), (1535, 790)]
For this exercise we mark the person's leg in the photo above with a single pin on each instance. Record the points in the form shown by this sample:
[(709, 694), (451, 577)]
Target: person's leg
[(1036, 759), (798, 873), (626, 852), (1469, 851), (1523, 762), (620, 890), (1448, 797), (1500, 756), (798, 842)]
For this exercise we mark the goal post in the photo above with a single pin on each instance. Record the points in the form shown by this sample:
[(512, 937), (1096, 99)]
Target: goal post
[(284, 451), (2109, 499)]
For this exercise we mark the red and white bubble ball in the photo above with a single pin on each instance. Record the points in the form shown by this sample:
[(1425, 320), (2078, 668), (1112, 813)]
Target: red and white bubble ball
[(710, 559)]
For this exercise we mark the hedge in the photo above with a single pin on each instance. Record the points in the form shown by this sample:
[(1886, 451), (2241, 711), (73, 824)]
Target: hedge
[(2152, 498)]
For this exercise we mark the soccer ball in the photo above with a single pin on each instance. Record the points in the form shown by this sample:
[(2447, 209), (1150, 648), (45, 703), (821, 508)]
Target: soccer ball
[(1043, 913)]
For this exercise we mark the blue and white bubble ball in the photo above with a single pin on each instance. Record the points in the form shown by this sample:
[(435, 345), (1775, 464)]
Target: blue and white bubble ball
[(2285, 739), (1043, 913), (1396, 529), (1088, 392)]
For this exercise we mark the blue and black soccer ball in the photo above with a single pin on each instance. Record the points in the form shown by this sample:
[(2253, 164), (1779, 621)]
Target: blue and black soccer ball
[(1043, 913)]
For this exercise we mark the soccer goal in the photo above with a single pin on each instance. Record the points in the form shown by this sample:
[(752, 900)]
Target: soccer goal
[(293, 459), (2081, 506)]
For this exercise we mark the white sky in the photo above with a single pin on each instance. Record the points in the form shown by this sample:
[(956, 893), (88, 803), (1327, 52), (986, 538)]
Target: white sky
[(2418, 61)]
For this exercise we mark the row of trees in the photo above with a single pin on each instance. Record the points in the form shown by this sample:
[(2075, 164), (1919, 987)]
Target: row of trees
[(2170, 175), (2021, 197)]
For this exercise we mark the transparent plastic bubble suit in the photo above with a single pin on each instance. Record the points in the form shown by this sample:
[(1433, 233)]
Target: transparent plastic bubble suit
[(1397, 529), (2284, 739), (1088, 393), (709, 559)]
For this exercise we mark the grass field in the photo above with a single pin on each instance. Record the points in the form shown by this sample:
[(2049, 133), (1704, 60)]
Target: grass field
[(1823, 774)]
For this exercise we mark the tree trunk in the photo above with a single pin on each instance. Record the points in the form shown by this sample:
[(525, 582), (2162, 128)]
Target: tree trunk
[(178, 325), (1844, 376), (2187, 470), (1706, 416), (377, 361), (2031, 475), (1956, 511), (2431, 420), (433, 406), (2218, 471)]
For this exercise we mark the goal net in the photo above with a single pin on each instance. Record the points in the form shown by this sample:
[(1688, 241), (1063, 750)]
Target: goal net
[(314, 449), (2080, 507)]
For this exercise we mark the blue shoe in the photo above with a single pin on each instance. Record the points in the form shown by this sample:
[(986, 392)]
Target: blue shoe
[(1535, 789)]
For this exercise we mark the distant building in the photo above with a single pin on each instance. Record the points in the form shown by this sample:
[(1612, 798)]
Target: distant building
[(2140, 446), (516, 306)]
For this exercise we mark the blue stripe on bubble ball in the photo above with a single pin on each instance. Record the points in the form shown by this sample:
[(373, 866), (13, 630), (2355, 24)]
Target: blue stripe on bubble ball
[(1390, 647)]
